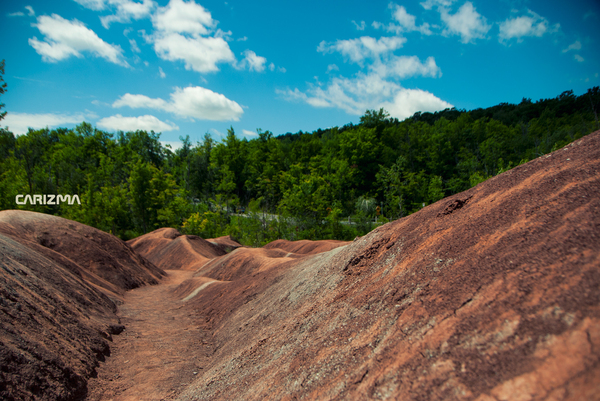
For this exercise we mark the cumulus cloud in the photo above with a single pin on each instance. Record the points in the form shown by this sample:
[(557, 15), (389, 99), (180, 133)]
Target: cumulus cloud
[(181, 17), (367, 91), (579, 58), (526, 25), (407, 102), (161, 72), (127, 10), (466, 22), (248, 133), (405, 22), (357, 50), (377, 85), (19, 123), (405, 66), (30, 11), (190, 102), (254, 62), (146, 123), (186, 31), (201, 54), (429, 4), (64, 38), (96, 5)]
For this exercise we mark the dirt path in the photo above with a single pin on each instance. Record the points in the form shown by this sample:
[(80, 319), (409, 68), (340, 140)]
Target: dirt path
[(161, 350)]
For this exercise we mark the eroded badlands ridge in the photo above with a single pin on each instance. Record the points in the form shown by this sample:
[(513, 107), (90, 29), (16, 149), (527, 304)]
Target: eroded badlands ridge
[(59, 282), (491, 294)]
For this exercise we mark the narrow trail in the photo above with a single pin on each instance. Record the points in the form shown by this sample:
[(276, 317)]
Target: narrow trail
[(160, 351)]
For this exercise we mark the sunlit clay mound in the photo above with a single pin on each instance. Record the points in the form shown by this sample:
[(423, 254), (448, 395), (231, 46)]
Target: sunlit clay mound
[(58, 283), (490, 294), (305, 247), (98, 257), (226, 243), (168, 249)]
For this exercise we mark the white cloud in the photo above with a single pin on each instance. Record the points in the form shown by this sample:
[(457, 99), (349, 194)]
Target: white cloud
[(181, 17), (200, 54), (467, 23), (16, 14), (253, 62), (64, 38), (251, 134), (173, 144), (357, 50), (30, 11), (405, 66), (146, 123), (573, 46), (271, 67), (429, 4), (407, 102), (356, 95), (519, 27), (579, 58), (161, 72), (407, 22), (128, 10), (190, 102), (19, 123), (332, 67), (96, 5)]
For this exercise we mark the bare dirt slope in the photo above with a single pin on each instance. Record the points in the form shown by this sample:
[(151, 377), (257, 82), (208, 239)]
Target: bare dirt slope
[(98, 257), (161, 351), (305, 247), (169, 249), (226, 243), (491, 294), (59, 281)]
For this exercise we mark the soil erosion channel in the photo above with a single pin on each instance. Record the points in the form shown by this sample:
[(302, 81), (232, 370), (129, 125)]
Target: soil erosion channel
[(151, 359)]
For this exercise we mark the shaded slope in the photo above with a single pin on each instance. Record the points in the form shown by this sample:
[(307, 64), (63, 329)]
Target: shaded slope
[(59, 280), (305, 247), (226, 243), (170, 250), (491, 294), (54, 326), (101, 258)]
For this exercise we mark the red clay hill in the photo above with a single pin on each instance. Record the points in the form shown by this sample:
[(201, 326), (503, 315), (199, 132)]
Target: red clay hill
[(490, 294), (59, 285), (168, 249)]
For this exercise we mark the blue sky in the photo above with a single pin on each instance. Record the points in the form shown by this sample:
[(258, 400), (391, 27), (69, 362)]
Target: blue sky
[(187, 68)]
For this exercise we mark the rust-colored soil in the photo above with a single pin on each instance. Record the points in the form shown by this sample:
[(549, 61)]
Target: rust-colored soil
[(59, 281), (305, 247), (491, 294), (168, 249), (101, 258), (226, 243), (165, 345)]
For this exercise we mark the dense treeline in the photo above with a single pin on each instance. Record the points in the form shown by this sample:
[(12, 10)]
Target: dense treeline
[(294, 186)]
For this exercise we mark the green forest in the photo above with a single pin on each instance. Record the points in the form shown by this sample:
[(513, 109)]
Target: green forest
[(336, 183)]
